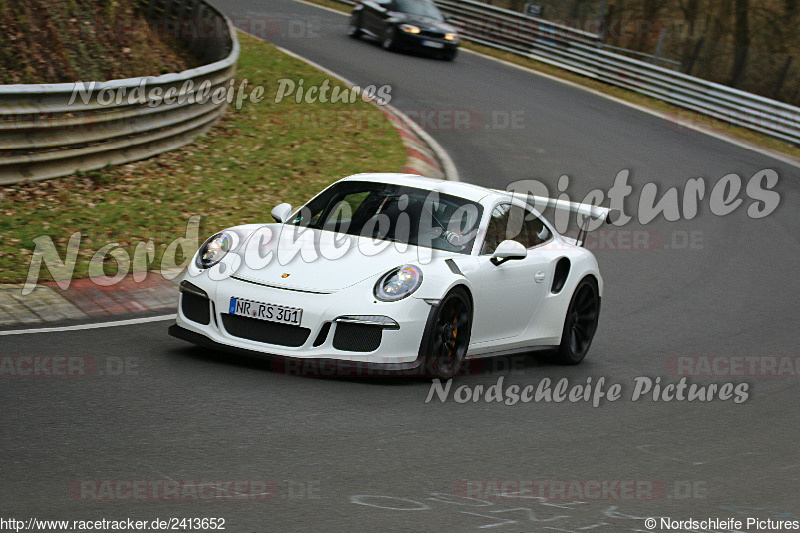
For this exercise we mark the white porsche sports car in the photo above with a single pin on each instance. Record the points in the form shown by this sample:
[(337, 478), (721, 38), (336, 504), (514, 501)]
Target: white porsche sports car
[(397, 273)]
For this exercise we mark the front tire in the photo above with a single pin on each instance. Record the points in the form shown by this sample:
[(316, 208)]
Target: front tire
[(447, 335), (451, 55), (580, 323)]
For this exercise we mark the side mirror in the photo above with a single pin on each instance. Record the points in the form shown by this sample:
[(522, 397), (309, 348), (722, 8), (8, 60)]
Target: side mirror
[(281, 212), (508, 250)]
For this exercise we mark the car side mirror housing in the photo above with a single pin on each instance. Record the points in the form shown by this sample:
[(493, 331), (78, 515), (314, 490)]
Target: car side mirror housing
[(508, 250), (281, 212)]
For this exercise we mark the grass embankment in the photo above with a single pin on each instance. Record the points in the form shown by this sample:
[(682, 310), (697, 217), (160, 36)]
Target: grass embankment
[(682, 116), (255, 158), (71, 40)]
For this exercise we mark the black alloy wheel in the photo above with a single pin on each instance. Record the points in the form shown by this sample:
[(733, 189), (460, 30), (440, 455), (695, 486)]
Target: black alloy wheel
[(580, 323), (449, 334)]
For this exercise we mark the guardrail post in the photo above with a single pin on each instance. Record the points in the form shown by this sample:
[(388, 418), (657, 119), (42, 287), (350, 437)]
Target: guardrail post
[(782, 78), (660, 44), (699, 46)]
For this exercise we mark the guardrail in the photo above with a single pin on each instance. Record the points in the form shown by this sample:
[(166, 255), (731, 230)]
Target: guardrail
[(52, 130), (583, 53)]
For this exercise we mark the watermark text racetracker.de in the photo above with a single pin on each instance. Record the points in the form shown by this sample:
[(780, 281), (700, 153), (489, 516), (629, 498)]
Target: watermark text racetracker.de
[(560, 489), (786, 366), (110, 524), (574, 490), (66, 366), (173, 490)]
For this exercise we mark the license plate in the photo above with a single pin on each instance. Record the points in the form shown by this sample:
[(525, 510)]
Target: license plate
[(432, 44), (264, 311)]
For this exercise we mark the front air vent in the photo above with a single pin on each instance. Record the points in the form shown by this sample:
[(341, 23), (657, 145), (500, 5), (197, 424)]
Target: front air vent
[(453, 267), (195, 308), (323, 334), (352, 337)]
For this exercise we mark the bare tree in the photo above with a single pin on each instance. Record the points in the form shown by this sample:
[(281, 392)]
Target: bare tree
[(741, 40), (690, 10)]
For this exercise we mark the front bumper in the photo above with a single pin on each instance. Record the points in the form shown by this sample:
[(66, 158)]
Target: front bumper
[(429, 43), (330, 328), (306, 366)]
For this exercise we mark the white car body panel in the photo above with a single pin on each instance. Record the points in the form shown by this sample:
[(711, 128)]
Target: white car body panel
[(514, 308)]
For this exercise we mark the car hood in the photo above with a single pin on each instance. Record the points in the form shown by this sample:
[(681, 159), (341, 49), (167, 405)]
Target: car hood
[(314, 262), (426, 23)]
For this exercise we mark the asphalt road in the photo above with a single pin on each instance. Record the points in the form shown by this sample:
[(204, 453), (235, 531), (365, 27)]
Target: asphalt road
[(371, 454)]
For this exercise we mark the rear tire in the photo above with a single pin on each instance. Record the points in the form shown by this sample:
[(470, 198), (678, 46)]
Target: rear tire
[(447, 336), (580, 324)]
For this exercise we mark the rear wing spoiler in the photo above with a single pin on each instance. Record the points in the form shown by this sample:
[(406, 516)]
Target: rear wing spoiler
[(595, 212), (590, 211)]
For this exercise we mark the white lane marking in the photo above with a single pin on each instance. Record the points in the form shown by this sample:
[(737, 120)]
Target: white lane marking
[(326, 8), (96, 325), (741, 143)]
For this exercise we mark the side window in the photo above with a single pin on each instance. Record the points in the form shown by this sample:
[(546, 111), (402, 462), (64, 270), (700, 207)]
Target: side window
[(515, 223), (533, 231), (496, 230)]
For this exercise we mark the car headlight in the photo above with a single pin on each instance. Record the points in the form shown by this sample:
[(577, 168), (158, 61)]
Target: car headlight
[(450, 36), (213, 250), (398, 283), (409, 28)]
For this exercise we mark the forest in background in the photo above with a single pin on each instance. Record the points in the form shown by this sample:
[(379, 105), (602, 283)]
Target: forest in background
[(746, 44), (751, 45)]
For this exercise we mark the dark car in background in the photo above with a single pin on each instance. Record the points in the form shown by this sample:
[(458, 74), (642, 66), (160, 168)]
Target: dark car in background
[(405, 25)]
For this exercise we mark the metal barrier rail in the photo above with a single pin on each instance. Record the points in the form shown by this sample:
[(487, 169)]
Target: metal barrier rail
[(52, 130), (583, 53)]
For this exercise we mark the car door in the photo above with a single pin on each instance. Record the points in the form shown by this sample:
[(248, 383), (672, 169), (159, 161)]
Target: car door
[(512, 292), (373, 15)]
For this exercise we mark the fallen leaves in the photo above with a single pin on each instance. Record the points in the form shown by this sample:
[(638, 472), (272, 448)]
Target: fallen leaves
[(234, 175)]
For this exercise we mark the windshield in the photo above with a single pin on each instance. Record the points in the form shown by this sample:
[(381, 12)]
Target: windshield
[(391, 212), (422, 8)]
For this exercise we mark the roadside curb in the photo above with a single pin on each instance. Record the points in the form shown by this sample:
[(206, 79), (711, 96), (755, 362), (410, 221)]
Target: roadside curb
[(419, 158), (424, 155), (84, 299), (158, 291)]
